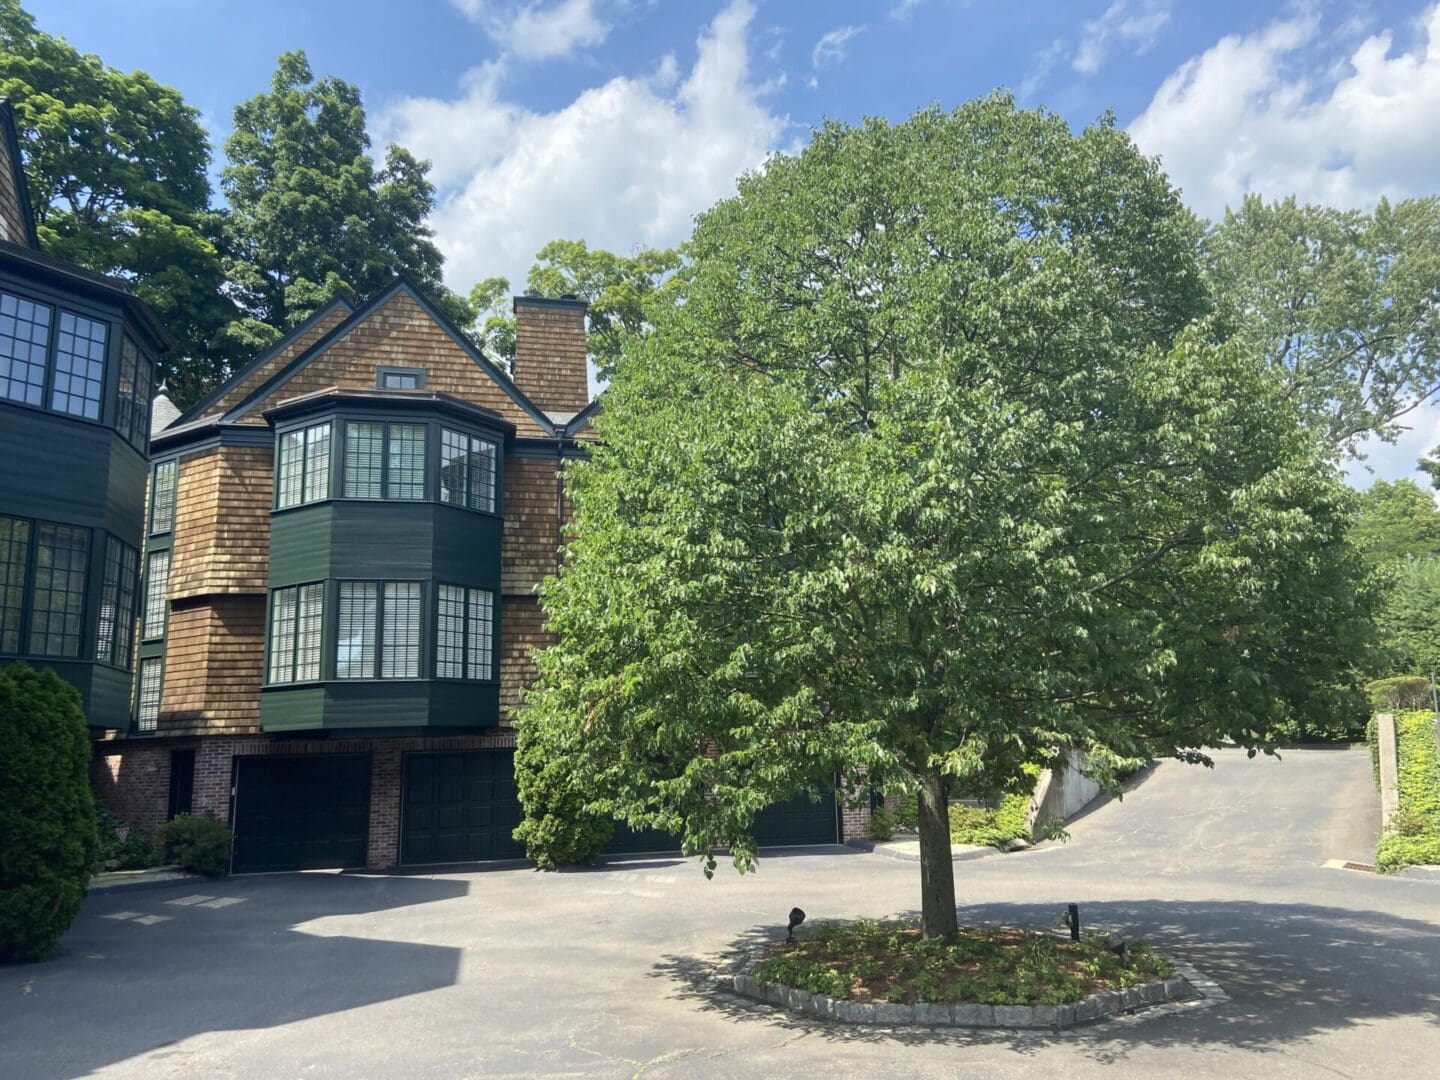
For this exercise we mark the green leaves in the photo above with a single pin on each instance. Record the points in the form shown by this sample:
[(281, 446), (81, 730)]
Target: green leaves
[(932, 466)]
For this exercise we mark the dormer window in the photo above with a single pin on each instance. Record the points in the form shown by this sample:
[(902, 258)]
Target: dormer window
[(399, 378)]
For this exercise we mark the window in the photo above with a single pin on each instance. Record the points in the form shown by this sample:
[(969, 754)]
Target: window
[(117, 604), (364, 461), (467, 471), (388, 378), (24, 341), (152, 681), (304, 471), (400, 638), (132, 417), (465, 633), (79, 366), (57, 603), (14, 560), (355, 632), (296, 614), (157, 583), (405, 462), (162, 496)]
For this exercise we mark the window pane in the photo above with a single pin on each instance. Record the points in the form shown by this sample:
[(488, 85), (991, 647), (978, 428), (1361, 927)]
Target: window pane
[(14, 558), (399, 380), (157, 582), (317, 463), (125, 606), (355, 631), (453, 450), (109, 602), (282, 635), (24, 338), (307, 633), (57, 605), (450, 633), (145, 388), (79, 366), (406, 479), (482, 475), (292, 468), (147, 711), (127, 392), (479, 648), (363, 445), (400, 658), (162, 497)]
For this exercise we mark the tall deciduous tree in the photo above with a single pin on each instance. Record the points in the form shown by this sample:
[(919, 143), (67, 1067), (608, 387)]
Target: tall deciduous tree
[(1345, 304), (310, 214), (116, 165), (929, 476), (1398, 521)]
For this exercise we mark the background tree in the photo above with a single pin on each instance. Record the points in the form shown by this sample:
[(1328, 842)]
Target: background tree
[(1398, 521), (311, 216), (47, 814), (116, 165), (620, 289), (1345, 304), (1410, 620), (927, 477)]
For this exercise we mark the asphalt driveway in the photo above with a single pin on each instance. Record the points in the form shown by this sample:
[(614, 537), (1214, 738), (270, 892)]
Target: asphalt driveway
[(607, 971)]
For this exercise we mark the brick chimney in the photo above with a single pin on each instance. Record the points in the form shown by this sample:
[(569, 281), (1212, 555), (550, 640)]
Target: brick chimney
[(550, 364)]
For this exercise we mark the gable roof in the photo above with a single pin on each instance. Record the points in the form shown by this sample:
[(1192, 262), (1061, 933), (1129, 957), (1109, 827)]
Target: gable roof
[(16, 178), (206, 403), (402, 284)]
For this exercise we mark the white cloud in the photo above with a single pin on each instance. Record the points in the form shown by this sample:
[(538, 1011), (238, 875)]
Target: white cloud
[(626, 164), (1270, 113), (535, 31), (1041, 66), (1133, 27), (833, 47)]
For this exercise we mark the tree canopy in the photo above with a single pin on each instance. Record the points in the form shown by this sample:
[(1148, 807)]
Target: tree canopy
[(1398, 521), (311, 217), (116, 165), (933, 475), (1346, 304)]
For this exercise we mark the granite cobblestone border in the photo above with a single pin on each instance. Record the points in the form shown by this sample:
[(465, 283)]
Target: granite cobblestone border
[(1185, 990)]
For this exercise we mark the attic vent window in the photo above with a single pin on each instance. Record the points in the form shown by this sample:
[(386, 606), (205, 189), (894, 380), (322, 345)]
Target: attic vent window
[(399, 378)]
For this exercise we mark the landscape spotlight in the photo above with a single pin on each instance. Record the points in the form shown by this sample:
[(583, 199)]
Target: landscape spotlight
[(796, 918)]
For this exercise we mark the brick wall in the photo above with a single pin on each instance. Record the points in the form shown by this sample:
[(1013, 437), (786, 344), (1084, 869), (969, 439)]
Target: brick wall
[(133, 782), (550, 353)]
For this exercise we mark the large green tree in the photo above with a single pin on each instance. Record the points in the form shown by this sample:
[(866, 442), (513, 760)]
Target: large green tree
[(1411, 617), (1345, 304), (311, 216), (620, 289), (116, 165), (930, 476), (1398, 521)]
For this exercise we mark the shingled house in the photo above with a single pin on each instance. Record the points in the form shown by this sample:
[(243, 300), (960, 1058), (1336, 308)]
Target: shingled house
[(77, 356)]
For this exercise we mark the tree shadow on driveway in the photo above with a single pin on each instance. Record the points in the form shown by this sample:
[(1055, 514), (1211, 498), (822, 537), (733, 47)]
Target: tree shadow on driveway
[(1291, 971), (120, 987)]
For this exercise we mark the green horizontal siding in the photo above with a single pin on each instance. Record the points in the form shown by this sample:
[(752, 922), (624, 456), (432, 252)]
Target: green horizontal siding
[(380, 706)]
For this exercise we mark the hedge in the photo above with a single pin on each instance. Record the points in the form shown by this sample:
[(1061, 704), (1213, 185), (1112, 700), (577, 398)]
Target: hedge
[(1412, 837)]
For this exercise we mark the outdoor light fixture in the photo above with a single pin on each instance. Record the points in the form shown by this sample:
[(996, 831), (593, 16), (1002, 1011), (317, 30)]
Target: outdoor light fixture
[(796, 918), (1072, 920), (1116, 944)]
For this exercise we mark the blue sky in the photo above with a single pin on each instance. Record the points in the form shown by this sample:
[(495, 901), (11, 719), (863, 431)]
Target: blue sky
[(617, 120)]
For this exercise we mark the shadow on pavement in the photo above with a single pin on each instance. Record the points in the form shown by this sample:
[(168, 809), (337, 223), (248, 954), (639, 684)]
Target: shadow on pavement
[(1291, 970), (121, 988)]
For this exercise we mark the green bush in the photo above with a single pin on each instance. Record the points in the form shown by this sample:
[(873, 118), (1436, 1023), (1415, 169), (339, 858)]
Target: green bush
[(1400, 692), (47, 813), (883, 824), (1412, 837), (908, 812), (990, 827), (557, 829), (135, 852), (197, 843)]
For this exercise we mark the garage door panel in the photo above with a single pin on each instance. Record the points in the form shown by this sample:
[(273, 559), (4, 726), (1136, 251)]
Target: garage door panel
[(301, 813), (468, 816)]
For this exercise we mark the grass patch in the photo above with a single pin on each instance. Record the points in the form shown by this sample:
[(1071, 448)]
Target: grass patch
[(1413, 835), (871, 961), (987, 827)]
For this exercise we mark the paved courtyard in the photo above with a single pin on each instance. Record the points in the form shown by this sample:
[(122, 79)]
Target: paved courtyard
[(606, 972)]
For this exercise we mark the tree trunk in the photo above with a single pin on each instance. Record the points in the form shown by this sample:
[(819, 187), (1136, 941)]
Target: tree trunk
[(937, 872)]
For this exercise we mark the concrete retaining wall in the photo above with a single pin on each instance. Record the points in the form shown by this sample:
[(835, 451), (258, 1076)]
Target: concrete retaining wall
[(1389, 767), (1060, 796)]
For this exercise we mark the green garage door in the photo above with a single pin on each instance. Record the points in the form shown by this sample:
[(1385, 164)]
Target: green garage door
[(300, 813), (459, 807), (798, 821)]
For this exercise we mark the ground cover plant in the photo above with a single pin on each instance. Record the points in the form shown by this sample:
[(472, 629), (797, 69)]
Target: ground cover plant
[(873, 961), (1412, 837), (990, 826)]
